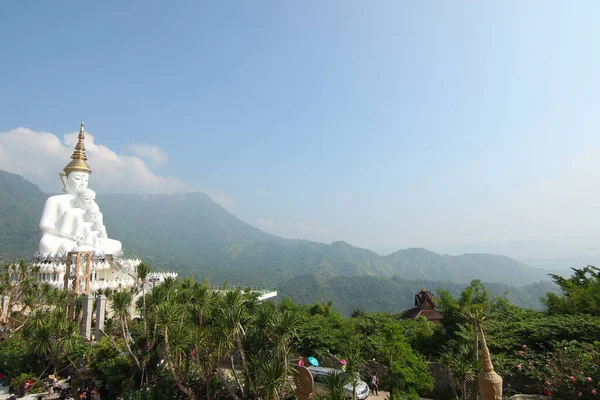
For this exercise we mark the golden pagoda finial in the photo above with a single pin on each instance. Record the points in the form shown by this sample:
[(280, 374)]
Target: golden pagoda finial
[(422, 285), (78, 158)]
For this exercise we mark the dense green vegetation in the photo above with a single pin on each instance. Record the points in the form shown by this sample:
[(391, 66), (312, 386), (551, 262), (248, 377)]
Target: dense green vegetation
[(192, 342), (373, 293), (194, 236)]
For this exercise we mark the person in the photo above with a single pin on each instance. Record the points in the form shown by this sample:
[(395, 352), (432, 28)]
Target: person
[(375, 384), (301, 362), (51, 384)]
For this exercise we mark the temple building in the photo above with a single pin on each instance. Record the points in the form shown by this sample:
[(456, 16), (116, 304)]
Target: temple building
[(424, 306)]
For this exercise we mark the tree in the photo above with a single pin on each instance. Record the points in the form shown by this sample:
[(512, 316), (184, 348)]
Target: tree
[(580, 293), (283, 327), (335, 383), (236, 317), (354, 364), (408, 373), (121, 304), (53, 338), (142, 271)]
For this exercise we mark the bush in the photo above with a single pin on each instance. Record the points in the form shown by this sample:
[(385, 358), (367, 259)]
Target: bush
[(572, 370), (17, 383), (112, 366), (15, 357)]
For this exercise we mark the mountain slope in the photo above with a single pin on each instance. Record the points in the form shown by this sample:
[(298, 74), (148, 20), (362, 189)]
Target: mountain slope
[(421, 263), (375, 293), (21, 204), (195, 236)]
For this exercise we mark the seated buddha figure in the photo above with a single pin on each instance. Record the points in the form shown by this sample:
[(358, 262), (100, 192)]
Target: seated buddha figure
[(63, 213), (92, 229)]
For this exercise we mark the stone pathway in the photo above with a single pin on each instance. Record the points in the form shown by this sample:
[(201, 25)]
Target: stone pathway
[(384, 395), (4, 394)]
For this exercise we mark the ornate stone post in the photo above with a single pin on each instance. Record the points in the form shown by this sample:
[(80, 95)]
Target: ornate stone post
[(490, 383), (68, 270), (88, 308), (305, 384), (88, 271), (4, 308), (100, 314)]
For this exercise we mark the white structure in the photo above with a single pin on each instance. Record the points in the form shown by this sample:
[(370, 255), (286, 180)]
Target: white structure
[(72, 221), (74, 251)]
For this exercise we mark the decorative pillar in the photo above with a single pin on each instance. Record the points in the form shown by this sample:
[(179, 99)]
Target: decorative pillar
[(490, 383), (71, 306), (77, 280), (68, 270), (77, 268), (100, 314), (4, 308), (88, 271), (88, 309)]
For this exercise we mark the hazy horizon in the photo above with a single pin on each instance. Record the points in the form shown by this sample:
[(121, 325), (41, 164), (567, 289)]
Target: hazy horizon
[(392, 125)]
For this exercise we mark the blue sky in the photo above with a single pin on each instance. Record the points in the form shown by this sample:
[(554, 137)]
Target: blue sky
[(386, 124)]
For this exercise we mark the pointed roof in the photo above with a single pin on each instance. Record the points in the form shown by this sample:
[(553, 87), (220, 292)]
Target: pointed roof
[(424, 305), (78, 159)]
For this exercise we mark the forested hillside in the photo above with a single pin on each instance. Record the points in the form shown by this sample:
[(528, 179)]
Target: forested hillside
[(193, 235), (375, 293)]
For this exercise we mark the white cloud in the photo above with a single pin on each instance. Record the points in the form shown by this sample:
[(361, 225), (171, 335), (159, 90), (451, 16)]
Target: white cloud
[(40, 156), (149, 152)]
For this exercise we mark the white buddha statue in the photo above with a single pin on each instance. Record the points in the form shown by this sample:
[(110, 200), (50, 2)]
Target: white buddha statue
[(92, 229), (64, 213)]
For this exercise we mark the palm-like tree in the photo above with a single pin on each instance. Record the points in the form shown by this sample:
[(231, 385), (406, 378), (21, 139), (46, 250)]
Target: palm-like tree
[(236, 316), (475, 314), (201, 298), (283, 327), (142, 271), (54, 337), (121, 304), (169, 314), (269, 375), (462, 366), (335, 385), (354, 363)]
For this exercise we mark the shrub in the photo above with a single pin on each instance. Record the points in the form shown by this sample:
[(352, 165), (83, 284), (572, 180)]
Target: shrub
[(571, 370)]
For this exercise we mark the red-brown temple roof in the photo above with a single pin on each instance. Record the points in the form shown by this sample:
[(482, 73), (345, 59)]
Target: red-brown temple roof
[(424, 306)]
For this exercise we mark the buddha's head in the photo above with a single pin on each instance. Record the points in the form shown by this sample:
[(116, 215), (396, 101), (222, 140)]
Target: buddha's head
[(86, 198), (92, 214), (77, 172), (76, 182)]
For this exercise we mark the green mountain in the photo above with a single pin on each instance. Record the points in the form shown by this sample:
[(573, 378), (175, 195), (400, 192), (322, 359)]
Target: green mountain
[(421, 263), (193, 235), (21, 205), (376, 293)]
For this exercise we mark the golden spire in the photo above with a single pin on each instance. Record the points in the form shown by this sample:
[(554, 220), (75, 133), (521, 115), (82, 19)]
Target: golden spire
[(422, 285), (78, 158)]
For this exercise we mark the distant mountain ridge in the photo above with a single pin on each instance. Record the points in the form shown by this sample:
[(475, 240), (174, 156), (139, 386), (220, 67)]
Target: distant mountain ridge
[(193, 235), (393, 295)]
